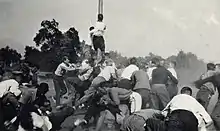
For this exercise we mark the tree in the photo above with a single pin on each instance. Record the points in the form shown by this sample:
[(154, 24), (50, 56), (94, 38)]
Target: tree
[(9, 56), (32, 55), (54, 44)]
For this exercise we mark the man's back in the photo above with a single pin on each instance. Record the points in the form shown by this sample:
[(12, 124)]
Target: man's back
[(186, 102), (160, 75), (127, 73), (208, 85), (141, 79), (99, 29)]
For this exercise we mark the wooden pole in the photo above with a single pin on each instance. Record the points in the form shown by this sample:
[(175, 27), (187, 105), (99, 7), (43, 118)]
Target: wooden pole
[(100, 7)]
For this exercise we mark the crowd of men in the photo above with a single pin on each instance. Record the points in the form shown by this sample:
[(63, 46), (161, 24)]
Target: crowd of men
[(135, 100)]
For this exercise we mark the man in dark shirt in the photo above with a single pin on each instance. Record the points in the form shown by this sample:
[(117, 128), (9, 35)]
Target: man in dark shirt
[(160, 78), (141, 85), (215, 79)]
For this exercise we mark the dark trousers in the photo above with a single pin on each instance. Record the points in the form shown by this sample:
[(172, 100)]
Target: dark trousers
[(99, 43), (59, 87), (93, 111), (216, 115), (77, 87), (172, 89), (160, 96), (182, 120), (202, 97), (146, 99)]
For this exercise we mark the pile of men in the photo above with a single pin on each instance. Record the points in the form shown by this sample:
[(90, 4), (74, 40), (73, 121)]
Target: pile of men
[(137, 100)]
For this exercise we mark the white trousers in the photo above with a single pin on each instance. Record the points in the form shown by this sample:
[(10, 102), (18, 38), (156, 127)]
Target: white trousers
[(136, 102)]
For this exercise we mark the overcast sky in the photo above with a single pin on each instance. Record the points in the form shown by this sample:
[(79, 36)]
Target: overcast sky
[(134, 28)]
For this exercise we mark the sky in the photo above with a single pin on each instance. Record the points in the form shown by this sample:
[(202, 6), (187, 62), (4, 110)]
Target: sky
[(134, 28)]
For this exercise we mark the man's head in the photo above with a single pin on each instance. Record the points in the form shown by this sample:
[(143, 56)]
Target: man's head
[(133, 61), (100, 17), (186, 90), (107, 55), (91, 28), (172, 64), (66, 59), (155, 62), (42, 89), (217, 67), (17, 75), (210, 66), (162, 62)]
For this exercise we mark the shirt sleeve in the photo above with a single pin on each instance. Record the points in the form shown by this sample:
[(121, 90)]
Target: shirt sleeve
[(114, 95), (15, 90), (172, 77), (37, 120), (201, 110), (70, 68)]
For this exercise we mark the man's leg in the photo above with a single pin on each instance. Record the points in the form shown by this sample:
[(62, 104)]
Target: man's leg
[(136, 102), (203, 97), (216, 115), (70, 84), (162, 94), (57, 90), (62, 87), (100, 121), (145, 94), (172, 89)]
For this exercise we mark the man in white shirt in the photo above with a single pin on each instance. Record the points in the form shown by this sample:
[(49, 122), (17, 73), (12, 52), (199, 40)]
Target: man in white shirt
[(125, 81), (58, 79), (10, 85), (186, 113), (105, 75), (81, 82), (171, 86), (98, 37)]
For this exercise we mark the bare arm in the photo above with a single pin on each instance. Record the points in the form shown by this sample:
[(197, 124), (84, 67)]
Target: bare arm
[(68, 68)]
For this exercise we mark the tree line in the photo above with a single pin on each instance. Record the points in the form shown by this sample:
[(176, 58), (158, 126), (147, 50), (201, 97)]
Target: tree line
[(51, 45)]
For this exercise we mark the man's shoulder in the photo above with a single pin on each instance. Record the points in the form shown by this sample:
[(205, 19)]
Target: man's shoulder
[(9, 81)]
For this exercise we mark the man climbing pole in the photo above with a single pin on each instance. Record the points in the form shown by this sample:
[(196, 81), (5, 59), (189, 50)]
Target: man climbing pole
[(97, 33)]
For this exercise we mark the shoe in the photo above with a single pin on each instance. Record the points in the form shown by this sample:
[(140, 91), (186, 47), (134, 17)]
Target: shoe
[(77, 122), (59, 107), (84, 122)]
